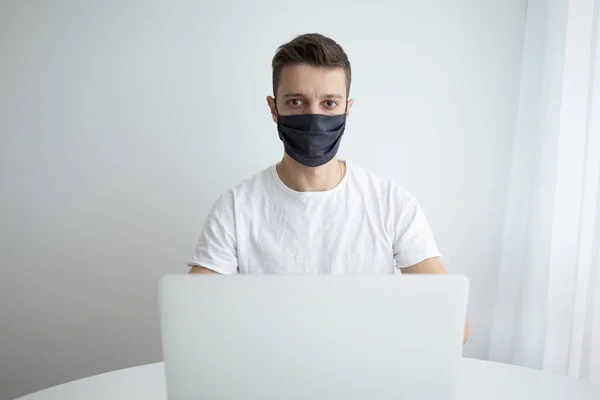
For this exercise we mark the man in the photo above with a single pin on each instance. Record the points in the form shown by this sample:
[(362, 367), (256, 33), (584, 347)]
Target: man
[(313, 213)]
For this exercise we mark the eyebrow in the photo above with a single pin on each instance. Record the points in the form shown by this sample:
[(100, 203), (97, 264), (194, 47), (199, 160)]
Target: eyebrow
[(327, 96)]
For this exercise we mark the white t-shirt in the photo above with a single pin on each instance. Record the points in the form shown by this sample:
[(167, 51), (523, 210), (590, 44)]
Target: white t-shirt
[(365, 225)]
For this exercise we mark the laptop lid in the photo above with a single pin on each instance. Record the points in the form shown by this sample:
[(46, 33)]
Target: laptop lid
[(312, 337)]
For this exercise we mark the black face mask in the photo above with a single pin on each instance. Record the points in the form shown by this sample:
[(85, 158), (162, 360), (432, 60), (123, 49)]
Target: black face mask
[(311, 139)]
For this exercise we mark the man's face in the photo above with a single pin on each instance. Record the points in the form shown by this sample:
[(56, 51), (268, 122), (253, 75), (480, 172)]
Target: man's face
[(304, 89)]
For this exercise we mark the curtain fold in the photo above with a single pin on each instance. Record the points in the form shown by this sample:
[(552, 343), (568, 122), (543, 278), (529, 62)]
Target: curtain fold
[(546, 306)]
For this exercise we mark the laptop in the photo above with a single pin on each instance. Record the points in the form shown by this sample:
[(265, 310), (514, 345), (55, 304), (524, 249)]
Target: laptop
[(312, 337)]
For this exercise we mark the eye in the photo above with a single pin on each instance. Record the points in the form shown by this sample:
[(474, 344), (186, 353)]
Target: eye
[(296, 102), (330, 103)]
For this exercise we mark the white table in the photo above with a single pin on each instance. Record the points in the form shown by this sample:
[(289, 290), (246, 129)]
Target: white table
[(478, 380)]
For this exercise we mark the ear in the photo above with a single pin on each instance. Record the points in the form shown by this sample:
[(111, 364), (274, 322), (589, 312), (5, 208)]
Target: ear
[(350, 104), (271, 104)]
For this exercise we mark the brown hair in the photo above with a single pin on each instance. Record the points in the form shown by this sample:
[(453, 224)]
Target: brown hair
[(312, 49)]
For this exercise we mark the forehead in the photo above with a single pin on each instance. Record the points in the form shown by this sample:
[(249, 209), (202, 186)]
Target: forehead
[(312, 81)]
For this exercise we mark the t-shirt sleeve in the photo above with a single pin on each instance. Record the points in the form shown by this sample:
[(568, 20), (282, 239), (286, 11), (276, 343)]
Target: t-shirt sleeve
[(413, 238), (216, 248)]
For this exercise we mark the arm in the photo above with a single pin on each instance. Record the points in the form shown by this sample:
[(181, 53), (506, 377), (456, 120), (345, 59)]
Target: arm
[(216, 250), (433, 266), (202, 270)]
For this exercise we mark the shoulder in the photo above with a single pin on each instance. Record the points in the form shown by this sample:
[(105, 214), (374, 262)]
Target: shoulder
[(384, 188), (257, 184)]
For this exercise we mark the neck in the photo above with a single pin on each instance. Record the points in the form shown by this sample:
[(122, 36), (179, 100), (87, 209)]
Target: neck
[(310, 179)]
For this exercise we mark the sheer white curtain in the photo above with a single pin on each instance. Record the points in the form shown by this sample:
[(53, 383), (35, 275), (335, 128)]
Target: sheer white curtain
[(547, 312)]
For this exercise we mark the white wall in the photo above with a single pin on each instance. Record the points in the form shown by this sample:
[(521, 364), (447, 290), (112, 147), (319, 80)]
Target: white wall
[(122, 121)]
